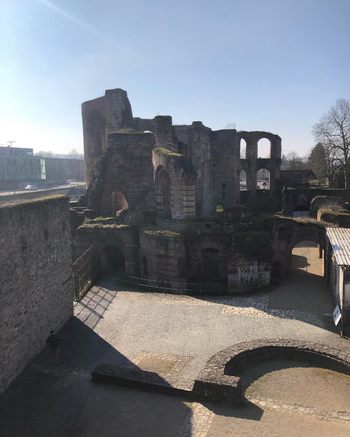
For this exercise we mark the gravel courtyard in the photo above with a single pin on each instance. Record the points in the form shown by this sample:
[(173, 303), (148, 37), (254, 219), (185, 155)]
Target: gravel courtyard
[(174, 336)]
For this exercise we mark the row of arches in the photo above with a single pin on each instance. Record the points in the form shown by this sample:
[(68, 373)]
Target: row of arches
[(263, 149), (305, 255), (96, 125), (163, 196), (263, 178)]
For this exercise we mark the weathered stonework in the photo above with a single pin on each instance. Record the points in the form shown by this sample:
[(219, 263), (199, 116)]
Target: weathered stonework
[(301, 198), (35, 263), (206, 186), (219, 380)]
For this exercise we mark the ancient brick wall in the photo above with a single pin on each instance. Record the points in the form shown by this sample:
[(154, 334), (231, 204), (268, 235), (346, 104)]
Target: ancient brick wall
[(225, 168), (286, 234), (163, 256), (340, 219), (126, 173), (293, 198), (35, 261), (249, 261), (116, 246), (109, 113), (200, 137)]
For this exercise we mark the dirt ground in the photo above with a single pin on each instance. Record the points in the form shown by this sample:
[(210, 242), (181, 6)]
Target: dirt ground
[(295, 382)]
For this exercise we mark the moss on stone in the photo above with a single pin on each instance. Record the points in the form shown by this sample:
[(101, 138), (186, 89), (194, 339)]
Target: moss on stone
[(268, 221), (336, 212), (129, 132), (119, 227), (102, 219), (167, 152), (162, 233), (32, 201)]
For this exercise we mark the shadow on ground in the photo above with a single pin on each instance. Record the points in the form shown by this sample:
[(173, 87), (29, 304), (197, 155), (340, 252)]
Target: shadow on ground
[(59, 401)]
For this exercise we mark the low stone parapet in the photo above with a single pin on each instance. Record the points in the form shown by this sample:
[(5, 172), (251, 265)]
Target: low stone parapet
[(219, 381)]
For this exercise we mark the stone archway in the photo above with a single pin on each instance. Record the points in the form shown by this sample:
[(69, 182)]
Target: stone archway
[(113, 261)]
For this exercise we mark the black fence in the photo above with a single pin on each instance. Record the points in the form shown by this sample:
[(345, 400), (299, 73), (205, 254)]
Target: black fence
[(84, 271), (192, 289)]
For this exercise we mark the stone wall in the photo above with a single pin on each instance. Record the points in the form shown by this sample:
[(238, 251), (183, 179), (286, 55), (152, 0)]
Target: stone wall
[(286, 234), (218, 381), (35, 261), (294, 198), (126, 172), (109, 113), (116, 246), (341, 219), (163, 257)]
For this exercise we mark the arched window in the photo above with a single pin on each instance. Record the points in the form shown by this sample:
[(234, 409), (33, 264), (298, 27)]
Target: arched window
[(163, 191), (243, 180), (219, 208), (120, 202), (264, 148), (243, 149), (263, 179)]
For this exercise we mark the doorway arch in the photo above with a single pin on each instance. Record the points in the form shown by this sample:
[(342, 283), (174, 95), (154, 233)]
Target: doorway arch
[(307, 257), (113, 260)]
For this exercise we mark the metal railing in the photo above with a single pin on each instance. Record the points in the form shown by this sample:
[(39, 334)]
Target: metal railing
[(84, 271), (193, 289)]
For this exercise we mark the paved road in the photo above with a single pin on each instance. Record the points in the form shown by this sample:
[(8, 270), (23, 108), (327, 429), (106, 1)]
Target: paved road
[(173, 336)]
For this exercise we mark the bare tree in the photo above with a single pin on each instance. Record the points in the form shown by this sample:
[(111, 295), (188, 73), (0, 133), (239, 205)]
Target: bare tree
[(74, 154), (292, 161), (44, 154), (317, 162), (333, 130)]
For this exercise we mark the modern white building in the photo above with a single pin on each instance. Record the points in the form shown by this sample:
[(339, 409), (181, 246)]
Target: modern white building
[(19, 164), (337, 264)]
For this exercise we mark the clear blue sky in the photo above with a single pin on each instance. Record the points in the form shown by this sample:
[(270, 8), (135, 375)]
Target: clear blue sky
[(274, 65)]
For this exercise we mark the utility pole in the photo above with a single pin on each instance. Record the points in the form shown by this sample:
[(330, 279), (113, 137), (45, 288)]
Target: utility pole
[(13, 170)]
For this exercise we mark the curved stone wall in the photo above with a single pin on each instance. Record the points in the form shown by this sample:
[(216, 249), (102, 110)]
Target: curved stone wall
[(218, 381)]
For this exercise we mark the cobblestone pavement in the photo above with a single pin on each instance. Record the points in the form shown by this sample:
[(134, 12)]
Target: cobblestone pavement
[(197, 422)]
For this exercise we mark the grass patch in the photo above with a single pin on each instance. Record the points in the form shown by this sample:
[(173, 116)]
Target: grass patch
[(126, 131), (162, 233), (102, 219), (91, 225), (166, 152), (32, 201)]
